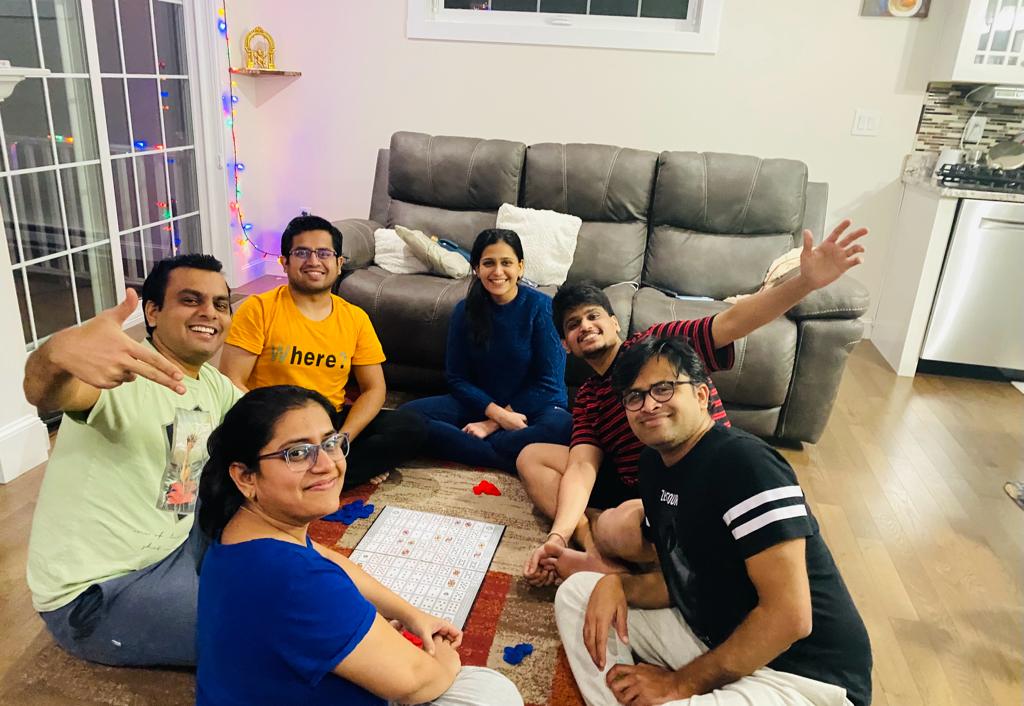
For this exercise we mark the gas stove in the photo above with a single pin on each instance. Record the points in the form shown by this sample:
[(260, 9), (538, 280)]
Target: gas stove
[(981, 178)]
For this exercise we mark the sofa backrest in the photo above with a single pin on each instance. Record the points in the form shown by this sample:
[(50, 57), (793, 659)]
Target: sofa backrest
[(610, 189), (451, 186), (718, 221)]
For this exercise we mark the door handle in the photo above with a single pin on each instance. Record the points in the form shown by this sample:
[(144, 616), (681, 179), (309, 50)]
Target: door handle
[(1000, 223)]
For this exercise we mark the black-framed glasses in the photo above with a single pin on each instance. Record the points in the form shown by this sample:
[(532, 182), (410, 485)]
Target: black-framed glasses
[(302, 457), (633, 400), (321, 253)]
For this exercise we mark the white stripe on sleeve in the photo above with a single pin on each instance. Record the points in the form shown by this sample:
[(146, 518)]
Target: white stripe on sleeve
[(788, 491), (776, 515)]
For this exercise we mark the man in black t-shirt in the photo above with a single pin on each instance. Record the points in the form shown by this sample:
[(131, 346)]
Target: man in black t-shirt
[(748, 604)]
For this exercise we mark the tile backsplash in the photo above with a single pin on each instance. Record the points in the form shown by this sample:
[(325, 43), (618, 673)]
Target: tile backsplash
[(945, 113)]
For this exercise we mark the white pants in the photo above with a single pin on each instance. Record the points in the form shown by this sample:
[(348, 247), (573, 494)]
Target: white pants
[(662, 637), (479, 686)]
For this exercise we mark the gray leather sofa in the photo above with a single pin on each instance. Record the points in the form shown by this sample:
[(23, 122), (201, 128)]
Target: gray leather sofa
[(696, 224)]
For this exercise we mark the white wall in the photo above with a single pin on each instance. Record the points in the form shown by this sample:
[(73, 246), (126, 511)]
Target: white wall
[(785, 83)]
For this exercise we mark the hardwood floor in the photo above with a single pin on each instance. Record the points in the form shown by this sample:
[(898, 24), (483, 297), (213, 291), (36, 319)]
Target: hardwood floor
[(907, 485)]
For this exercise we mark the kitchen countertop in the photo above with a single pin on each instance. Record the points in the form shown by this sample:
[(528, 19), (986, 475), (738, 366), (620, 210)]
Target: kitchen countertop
[(931, 186)]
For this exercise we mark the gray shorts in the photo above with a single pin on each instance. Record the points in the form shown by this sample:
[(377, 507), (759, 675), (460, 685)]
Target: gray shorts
[(145, 618)]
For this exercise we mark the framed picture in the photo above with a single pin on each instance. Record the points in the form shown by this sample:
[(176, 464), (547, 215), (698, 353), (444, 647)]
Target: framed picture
[(895, 8)]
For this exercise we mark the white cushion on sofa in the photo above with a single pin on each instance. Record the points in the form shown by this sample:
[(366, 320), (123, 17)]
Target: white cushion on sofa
[(392, 254), (549, 240)]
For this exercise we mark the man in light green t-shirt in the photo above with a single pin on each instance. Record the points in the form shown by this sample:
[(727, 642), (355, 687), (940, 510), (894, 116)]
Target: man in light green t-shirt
[(113, 557)]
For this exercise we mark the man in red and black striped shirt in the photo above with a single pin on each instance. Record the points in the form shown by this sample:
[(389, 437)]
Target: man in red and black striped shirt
[(598, 471)]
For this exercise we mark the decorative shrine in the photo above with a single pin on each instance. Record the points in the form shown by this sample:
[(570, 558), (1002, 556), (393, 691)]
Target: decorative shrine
[(259, 49)]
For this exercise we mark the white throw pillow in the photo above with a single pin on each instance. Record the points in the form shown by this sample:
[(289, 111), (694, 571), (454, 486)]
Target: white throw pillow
[(549, 240), (391, 253)]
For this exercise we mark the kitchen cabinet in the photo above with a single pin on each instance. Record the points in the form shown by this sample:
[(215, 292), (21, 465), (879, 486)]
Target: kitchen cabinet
[(982, 42)]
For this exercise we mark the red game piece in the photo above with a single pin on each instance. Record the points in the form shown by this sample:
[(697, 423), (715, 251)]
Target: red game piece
[(486, 487), (412, 638)]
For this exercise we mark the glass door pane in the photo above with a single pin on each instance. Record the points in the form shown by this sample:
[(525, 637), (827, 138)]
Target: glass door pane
[(75, 228)]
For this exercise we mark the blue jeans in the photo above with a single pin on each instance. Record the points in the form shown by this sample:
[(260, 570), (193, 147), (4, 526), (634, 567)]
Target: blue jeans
[(145, 618), (445, 439)]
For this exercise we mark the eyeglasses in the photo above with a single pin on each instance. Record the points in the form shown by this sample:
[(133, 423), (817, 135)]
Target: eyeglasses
[(321, 253), (302, 457), (633, 400)]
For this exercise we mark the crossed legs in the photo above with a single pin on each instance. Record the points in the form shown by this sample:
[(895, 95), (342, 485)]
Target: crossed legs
[(606, 537)]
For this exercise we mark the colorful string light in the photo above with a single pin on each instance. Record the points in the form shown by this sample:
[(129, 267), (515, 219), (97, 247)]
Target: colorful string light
[(228, 101)]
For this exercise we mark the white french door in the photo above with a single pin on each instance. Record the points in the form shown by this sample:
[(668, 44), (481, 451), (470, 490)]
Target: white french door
[(98, 178)]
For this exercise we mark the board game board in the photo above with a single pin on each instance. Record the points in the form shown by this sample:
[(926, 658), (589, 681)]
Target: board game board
[(435, 562)]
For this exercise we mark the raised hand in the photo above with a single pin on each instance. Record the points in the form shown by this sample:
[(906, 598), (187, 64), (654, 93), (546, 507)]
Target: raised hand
[(101, 354), (836, 254)]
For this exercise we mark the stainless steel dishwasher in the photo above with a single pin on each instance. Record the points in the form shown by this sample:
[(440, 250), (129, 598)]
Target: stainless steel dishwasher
[(978, 314)]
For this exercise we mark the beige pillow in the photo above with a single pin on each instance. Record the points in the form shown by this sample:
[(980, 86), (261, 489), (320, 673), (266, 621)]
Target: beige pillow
[(438, 260), (393, 255)]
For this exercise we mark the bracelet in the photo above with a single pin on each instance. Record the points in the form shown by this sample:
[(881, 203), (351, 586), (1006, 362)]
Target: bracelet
[(556, 534)]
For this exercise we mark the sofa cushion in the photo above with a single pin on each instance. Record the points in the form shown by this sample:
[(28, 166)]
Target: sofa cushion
[(718, 221), (464, 173), (459, 226), (608, 253), (410, 313), (764, 360), (610, 189), (356, 241)]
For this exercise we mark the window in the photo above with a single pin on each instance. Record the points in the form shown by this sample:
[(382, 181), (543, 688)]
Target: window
[(660, 25), (98, 172)]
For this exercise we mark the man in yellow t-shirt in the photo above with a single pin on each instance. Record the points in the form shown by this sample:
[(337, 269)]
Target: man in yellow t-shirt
[(302, 334)]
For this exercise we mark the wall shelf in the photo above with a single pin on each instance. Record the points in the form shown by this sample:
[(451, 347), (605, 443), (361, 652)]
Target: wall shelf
[(264, 72)]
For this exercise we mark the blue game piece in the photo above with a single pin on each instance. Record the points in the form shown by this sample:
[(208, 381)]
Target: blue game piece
[(350, 512), (513, 656)]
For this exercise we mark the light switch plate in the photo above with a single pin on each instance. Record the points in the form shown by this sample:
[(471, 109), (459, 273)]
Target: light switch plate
[(866, 122)]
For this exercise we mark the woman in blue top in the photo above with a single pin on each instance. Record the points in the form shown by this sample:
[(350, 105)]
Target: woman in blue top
[(505, 365), (283, 620)]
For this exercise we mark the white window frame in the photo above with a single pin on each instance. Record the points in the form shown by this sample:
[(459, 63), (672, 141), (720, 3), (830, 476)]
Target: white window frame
[(429, 19)]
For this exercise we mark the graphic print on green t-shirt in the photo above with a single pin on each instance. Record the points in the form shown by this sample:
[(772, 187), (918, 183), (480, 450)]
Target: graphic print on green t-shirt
[(186, 456)]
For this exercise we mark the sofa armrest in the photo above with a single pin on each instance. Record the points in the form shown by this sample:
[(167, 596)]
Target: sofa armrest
[(846, 298), (357, 241)]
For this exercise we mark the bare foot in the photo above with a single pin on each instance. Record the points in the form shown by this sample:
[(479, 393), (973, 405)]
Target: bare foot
[(572, 560), (377, 480)]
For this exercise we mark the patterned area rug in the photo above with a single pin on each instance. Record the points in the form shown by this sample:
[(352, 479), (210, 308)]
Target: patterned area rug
[(507, 610)]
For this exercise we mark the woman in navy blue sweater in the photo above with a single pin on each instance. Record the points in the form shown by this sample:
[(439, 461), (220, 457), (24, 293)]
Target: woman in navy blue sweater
[(505, 366)]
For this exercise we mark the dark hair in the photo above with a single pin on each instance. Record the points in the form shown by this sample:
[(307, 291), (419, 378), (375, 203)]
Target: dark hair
[(155, 286), (676, 351), (572, 296), (304, 224), (247, 427), (476, 299)]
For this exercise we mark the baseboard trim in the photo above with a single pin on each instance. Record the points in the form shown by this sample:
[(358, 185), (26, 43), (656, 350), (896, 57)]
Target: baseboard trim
[(867, 329), (24, 444)]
